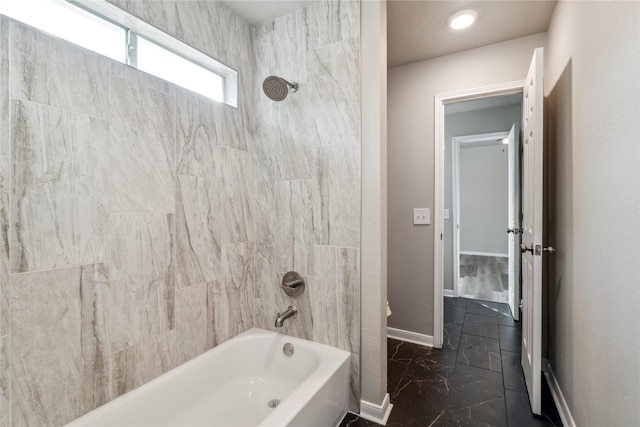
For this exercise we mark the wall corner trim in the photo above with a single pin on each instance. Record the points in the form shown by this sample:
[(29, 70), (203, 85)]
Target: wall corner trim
[(558, 397), (376, 413), (408, 336)]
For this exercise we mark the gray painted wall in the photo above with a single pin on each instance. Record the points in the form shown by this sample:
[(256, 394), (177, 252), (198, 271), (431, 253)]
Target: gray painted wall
[(411, 90), (469, 123), (592, 85), (484, 199)]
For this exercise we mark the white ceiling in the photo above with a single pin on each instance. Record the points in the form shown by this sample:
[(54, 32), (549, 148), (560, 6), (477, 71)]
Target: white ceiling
[(417, 29), (259, 11)]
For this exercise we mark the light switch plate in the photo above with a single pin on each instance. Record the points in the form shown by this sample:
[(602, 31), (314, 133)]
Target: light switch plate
[(446, 214), (421, 216)]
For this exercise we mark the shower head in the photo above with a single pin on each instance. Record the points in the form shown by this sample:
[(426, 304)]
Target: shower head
[(277, 88)]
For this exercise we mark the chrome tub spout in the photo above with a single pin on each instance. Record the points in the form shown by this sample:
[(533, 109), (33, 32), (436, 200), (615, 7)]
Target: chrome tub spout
[(291, 311)]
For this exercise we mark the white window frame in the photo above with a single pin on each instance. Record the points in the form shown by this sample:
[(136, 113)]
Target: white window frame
[(135, 27)]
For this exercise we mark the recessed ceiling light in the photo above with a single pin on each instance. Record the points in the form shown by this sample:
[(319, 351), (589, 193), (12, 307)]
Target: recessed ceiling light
[(462, 19)]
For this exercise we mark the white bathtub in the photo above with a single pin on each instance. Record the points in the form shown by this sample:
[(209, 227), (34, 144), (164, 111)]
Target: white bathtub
[(232, 385)]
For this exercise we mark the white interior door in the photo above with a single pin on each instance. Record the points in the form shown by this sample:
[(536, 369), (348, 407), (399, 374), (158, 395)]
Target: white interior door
[(514, 225), (532, 231)]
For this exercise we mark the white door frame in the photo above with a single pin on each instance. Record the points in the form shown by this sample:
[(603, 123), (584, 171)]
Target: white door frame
[(457, 141), (438, 235)]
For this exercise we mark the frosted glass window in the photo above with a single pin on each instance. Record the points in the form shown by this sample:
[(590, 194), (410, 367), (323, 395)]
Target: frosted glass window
[(70, 23), (165, 64)]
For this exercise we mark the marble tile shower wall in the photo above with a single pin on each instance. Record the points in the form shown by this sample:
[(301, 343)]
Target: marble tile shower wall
[(127, 236), (307, 173)]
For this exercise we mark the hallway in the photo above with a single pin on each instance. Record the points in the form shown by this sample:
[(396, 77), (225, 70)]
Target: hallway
[(475, 379)]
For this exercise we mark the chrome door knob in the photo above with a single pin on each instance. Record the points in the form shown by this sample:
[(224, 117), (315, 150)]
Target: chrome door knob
[(524, 248), (511, 230), (550, 250)]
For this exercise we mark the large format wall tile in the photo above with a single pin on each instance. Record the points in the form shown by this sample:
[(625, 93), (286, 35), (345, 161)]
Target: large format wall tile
[(199, 220), (95, 290), (337, 195), (5, 126), (348, 284), (198, 135), (56, 377), (127, 72), (159, 13), (323, 292), (137, 365), (142, 149), (331, 21), (55, 72), (240, 56), (335, 70), (59, 203), (5, 381), (264, 171), (5, 169), (142, 284), (204, 25), (232, 298), (239, 202), (335, 297), (5, 374), (293, 239), (191, 322)]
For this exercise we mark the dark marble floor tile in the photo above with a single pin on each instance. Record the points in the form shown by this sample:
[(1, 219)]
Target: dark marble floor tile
[(482, 308), (400, 351), (512, 371), (549, 409), (417, 402), (454, 314), (510, 338), (503, 308), (451, 337), (480, 352), (472, 384), (449, 419), (477, 396), (395, 370), (352, 420), (519, 412), (455, 386), (440, 355), (488, 413), (434, 366), (480, 325), (506, 319)]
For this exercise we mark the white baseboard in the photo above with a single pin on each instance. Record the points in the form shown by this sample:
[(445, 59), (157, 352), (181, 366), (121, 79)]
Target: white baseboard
[(376, 413), (449, 293), (558, 397), (484, 254), (408, 336)]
